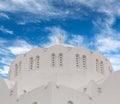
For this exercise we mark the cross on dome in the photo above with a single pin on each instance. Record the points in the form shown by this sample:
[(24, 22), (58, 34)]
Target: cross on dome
[(61, 39)]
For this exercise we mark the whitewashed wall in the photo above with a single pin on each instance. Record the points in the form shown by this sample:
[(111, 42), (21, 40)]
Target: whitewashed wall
[(63, 79)]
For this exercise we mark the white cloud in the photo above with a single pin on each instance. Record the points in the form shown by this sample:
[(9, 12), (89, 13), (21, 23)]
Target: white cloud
[(2, 41), (104, 24), (5, 54), (43, 8), (20, 47), (115, 60), (4, 15), (107, 40), (5, 30), (3, 50), (21, 22), (108, 44), (54, 32), (19, 50), (4, 71), (76, 40), (110, 48), (8, 53), (6, 60), (110, 7)]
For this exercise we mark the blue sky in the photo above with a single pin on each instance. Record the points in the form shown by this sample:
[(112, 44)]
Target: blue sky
[(25, 24)]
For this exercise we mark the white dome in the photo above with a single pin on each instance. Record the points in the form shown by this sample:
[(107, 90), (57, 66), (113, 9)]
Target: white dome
[(67, 65)]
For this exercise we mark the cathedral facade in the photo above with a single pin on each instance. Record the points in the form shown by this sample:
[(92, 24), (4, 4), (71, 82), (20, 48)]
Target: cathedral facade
[(61, 74)]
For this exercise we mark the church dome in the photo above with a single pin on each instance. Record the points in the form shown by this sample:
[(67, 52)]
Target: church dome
[(71, 66)]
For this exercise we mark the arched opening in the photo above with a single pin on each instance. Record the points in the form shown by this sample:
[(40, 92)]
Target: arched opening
[(34, 102), (60, 59), (70, 102), (102, 67), (37, 61), (84, 61), (77, 60), (31, 63), (53, 58), (97, 65)]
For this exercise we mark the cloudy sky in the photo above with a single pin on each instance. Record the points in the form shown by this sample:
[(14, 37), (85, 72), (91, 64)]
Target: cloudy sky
[(25, 24)]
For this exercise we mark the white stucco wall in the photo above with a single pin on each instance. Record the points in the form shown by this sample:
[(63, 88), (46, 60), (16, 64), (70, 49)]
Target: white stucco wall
[(52, 93), (60, 84)]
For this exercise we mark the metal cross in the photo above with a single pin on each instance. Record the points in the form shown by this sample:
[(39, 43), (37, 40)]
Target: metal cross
[(60, 38)]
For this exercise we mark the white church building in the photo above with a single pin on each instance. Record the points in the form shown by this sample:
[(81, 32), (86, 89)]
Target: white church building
[(61, 74)]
